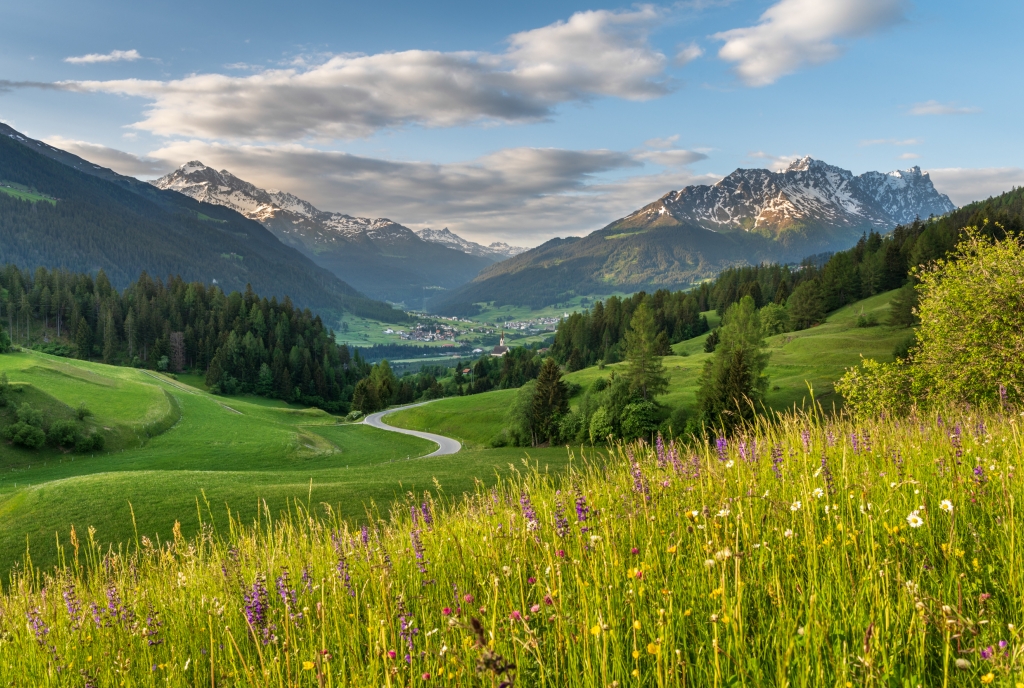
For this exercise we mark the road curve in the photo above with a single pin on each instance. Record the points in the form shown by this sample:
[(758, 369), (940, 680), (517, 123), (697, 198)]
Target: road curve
[(445, 445)]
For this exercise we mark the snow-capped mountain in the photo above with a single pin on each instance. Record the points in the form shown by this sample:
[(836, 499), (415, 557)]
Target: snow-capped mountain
[(686, 236), (382, 258), (808, 194), (290, 214), (498, 250)]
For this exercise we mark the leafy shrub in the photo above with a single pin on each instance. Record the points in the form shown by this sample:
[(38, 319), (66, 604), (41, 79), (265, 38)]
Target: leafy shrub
[(55, 349), (5, 389), (877, 389), (806, 305), (29, 415), (25, 434), (638, 420), (711, 342), (63, 433), (601, 425), (774, 319), (82, 411), (869, 320), (92, 442)]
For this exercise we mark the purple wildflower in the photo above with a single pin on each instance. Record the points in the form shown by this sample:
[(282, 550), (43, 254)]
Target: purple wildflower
[(805, 435), (256, 603), (979, 474), (407, 631), (987, 652), (153, 625), (659, 446), (428, 518), (342, 566), (288, 595), (826, 473), (39, 626), (830, 438), (721, 445), (853, 441), (777, 461), (415, 513), (561, 522), (695, 467), (364, 535), (71, 603), (582, 511), (640, 482), (866, 437), (528, 511)]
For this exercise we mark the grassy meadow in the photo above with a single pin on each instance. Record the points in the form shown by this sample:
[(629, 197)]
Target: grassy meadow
[(810, 552), (171, 446), (817, 356)]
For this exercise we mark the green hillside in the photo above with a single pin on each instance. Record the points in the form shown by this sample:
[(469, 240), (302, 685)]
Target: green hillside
[(171, 447), (816, 356), (126, 227)]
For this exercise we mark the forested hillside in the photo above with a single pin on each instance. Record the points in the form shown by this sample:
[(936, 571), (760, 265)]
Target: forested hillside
[(127, 227), (875, 265)]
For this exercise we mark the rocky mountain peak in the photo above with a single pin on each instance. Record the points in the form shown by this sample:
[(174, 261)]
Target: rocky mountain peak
[(496, 250)]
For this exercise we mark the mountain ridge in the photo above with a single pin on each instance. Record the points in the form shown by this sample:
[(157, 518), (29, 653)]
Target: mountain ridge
[(750, 216), (103, 220), (380, 257), (498, 249)]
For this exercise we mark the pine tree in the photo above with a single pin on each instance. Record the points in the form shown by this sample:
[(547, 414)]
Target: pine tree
[(83, 339), (550, 401), (733, 381), (644, 370), (109, 339)]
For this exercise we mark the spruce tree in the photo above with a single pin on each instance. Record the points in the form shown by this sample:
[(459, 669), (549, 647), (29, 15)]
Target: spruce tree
[(644, 370), (550, 401), (733, 381)]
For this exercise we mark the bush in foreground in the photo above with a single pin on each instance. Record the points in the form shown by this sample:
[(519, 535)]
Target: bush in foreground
[(804, 553)]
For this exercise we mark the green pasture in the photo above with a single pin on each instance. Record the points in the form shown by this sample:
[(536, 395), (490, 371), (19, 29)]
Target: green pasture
[(26, 195), (817, 356), (172, 446)]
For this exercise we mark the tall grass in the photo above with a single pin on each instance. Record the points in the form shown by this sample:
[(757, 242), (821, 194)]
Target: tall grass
[(809, 552)]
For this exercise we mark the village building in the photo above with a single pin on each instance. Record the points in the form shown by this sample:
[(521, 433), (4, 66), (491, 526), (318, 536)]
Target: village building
[(501, 349)]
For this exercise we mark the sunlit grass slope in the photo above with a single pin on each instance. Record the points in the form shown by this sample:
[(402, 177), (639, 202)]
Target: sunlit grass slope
[(804, 553), (817, 356), (173, 443)]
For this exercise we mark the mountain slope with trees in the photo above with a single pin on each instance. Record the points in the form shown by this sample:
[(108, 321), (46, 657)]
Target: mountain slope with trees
[(101, 220)]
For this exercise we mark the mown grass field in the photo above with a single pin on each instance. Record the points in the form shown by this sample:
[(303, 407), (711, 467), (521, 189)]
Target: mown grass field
[(817, 356), (171, 446)]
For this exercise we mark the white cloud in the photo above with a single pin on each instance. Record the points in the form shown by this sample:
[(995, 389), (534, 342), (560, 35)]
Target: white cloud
[(672, 158), (592, 54), (794, 33), (521, 195), (112, 56), (909, 156), (934, 107), (117, 160), (687, 54), (775, 162), (965, 185), (891, 142)]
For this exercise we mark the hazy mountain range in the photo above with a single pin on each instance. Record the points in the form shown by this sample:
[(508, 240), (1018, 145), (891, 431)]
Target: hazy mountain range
[(750, 216), (377, 256)]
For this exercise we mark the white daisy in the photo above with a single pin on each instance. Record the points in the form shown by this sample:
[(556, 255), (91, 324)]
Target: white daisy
[(946, 506), (795, 506), (914, 520), (818, 493)]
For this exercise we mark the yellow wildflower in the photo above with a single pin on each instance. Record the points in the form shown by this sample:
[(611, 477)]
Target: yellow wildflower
[(306, 666), (672, 549), (596, 630), (988, 678), (636, 624), (636, 654), (653, 649)]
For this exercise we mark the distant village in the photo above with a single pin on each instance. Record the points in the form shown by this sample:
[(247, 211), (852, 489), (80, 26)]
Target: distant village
[(443, 329)]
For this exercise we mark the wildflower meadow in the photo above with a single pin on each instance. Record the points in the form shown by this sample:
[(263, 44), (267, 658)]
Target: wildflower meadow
[(810, 551)]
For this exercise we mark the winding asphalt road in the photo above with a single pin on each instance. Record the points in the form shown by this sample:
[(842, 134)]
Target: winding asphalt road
[(445, 445)]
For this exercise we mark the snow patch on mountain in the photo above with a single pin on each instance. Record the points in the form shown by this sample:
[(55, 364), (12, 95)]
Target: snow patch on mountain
[(808, 192), (446, 237)]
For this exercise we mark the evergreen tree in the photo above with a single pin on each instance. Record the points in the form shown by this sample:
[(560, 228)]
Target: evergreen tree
[(83, 339), (550, 401), (711, 341), (644, 370), (806, 305), (733, 381)]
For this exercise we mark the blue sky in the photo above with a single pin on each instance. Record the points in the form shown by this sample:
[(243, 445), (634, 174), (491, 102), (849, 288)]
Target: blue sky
[(519, 121)]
